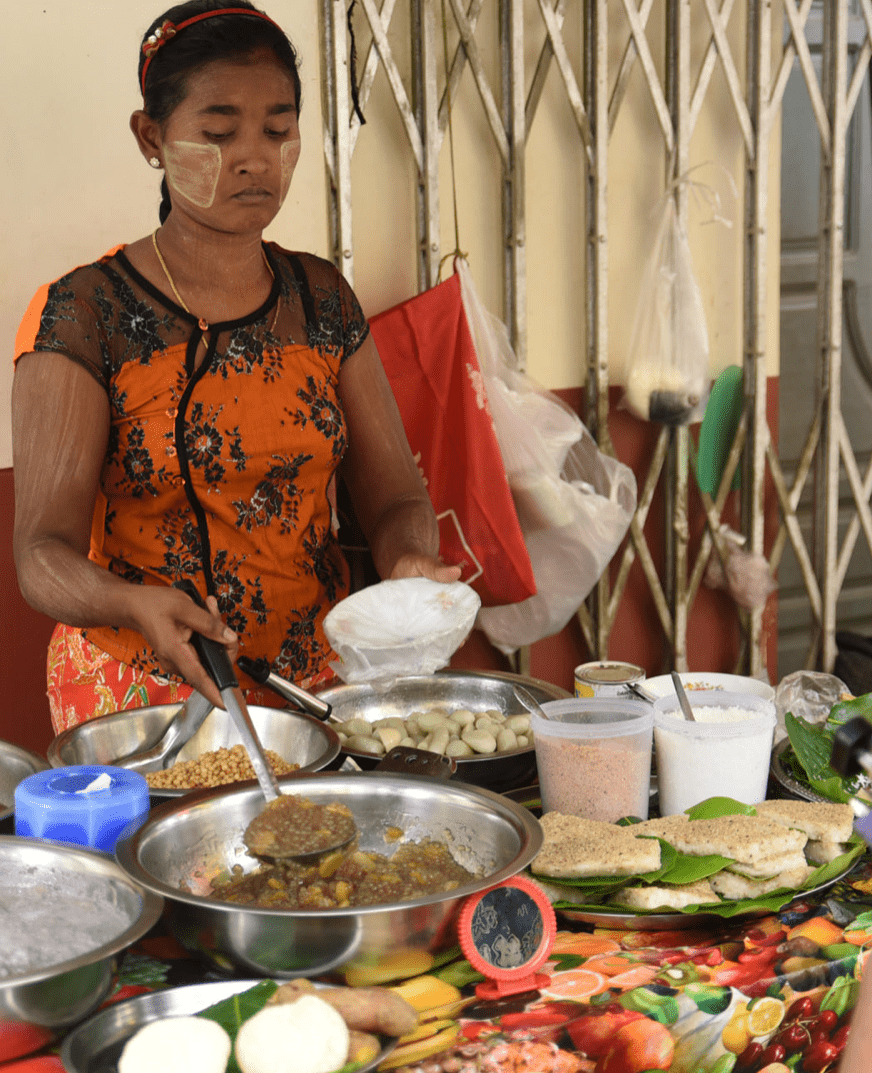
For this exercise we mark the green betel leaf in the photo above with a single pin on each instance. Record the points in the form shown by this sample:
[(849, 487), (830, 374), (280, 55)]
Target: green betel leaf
[(668, 855), (836, 867), (846, 710), (812, 745), (687, 869), (714, 807)]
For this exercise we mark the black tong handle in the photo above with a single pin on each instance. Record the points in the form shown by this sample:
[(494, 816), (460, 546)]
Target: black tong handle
[(211, 654)]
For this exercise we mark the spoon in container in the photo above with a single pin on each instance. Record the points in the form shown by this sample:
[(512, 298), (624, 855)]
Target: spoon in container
[(682, 698), (285, 828)]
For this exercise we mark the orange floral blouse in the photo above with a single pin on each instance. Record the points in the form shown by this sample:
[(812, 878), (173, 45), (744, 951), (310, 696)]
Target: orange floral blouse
[(221, 472)]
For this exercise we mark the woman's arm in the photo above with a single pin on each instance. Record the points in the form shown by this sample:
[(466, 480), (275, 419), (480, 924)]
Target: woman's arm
[(389, 497), (60, 429)]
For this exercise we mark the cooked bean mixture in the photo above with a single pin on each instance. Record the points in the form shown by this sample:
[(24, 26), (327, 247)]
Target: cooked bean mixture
[(347, 878), (292, 825), (344, 877), (217, 768)]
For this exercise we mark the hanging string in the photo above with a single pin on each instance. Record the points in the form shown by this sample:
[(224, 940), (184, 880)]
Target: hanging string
[(456, 252), (355, 91)]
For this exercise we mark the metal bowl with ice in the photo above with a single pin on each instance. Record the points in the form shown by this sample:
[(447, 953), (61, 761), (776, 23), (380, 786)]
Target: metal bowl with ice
[(16, 764), (474, 690), (65, 913), (187, 843), (297, 737)]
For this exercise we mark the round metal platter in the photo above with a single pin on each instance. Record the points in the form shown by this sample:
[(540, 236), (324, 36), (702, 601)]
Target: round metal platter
[(791, 787), (682, 921), (16, 764), (96, 1045)]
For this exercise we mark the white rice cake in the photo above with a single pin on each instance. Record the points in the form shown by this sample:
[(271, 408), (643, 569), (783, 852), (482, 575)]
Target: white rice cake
[(665, 895), (734, 887), (746, 839), (822, 821), (574, 847), (824, 852), (770, 866), (662, 827)]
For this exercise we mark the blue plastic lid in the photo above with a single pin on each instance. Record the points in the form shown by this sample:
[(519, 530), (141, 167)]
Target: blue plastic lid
[(57, 805)]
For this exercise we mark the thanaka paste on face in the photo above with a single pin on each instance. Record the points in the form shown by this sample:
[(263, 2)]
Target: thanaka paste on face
[(193, 170), (290, 155)]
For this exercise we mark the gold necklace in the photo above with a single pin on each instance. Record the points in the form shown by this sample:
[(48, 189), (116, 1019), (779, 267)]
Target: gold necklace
[(202, 323)]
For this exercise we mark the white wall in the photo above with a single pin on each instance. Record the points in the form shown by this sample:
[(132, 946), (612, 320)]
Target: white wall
[(74, 183)]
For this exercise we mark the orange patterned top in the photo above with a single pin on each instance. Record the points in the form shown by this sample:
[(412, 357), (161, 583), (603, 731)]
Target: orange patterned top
[(218, 472)]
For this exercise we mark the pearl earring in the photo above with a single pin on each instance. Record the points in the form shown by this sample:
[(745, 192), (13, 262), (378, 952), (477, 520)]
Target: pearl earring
[(154, 162)]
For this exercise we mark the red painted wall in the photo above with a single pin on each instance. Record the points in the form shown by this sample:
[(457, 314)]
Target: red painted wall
[(713, 634)]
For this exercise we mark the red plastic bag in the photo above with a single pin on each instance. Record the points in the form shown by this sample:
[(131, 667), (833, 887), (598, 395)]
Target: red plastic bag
[(429, 357)]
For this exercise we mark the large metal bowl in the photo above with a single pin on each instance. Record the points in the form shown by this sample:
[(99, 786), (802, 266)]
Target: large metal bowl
[(297, 737), (38, 1006), (190, 841), (476, 690), (16, 764)]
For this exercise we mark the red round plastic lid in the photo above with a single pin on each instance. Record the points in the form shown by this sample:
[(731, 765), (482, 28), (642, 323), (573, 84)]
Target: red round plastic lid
[(507, 932)]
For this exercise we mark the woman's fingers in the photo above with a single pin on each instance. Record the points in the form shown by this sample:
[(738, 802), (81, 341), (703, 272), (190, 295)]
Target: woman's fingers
[(167, 618), (425, 566)]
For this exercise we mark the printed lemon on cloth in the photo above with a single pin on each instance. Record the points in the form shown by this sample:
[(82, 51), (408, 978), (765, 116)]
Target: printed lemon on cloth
[(407, 626)]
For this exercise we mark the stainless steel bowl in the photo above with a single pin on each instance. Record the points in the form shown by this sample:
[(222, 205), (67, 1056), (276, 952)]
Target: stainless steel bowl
[(188, 842), (476, 690), (297, 737), (16, 764), (38, 1006)]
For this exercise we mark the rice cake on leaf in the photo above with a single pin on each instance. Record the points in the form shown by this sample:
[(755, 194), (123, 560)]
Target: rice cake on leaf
[(821, 821), (575, 847)]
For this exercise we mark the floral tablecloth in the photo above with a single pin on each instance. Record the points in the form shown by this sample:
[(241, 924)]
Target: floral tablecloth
[(771, 993)]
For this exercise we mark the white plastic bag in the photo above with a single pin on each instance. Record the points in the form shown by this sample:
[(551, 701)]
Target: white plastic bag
[(574, 503), (400, 627), (669, 348)]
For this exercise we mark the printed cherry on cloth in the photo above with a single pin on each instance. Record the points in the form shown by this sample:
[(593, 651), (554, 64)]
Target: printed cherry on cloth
[(428, 354)]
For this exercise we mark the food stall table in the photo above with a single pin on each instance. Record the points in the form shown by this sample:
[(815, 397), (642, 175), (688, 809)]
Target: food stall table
[(732, 996)]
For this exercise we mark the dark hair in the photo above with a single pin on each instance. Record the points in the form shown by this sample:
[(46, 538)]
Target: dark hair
[(223, 37)]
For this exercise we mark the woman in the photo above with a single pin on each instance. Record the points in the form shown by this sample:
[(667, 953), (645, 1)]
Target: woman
[(181, 406)]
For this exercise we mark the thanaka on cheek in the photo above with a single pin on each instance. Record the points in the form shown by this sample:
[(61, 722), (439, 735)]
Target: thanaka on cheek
[(193, 170), (290, 155)]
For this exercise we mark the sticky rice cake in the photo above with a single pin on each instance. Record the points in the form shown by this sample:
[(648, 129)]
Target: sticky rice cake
[(660, 827), (821, 821), (746, 839), (665, 895), (735, 887), (574, 847), (824, 852), (770, 866)]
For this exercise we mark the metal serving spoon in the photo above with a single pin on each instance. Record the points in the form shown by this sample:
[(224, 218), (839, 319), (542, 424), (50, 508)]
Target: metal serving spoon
[(276, 826), (682, 698)]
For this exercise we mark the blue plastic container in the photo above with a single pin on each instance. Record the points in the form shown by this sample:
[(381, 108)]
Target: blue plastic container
[(56, 806)]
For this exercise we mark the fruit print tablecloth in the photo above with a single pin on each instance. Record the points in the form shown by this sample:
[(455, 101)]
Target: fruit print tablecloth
[(764, 995)]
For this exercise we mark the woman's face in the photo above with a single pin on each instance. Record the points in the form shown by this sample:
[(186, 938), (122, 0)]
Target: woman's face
[(230, 148)]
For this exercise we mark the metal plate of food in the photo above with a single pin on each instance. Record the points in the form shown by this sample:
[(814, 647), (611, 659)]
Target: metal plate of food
[(16, 764), (698, 918), (96, 1045), (476, 691), (790, 786), (296, 737)]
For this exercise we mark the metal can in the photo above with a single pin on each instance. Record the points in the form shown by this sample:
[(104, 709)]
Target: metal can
[(606, 678)]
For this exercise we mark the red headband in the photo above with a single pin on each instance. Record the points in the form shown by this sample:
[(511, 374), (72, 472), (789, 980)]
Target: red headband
[(167, 30)]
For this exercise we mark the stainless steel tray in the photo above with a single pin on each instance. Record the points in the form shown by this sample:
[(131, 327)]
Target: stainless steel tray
[(789, 785), (96, 1045), (16, 764)]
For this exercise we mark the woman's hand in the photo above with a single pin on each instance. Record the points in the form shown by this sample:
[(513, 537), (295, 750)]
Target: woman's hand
[(167, 619), (413, 565)]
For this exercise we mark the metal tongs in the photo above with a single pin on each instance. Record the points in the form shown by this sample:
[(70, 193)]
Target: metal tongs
[(260, 671)]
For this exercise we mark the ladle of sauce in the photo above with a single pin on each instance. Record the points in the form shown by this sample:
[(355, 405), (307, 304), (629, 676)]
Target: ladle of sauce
[(275, 826)]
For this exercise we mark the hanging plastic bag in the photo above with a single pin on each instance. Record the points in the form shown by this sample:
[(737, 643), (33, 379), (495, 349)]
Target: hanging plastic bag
[(428, 354), (746, 576), (667, 367), (574, 503)]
